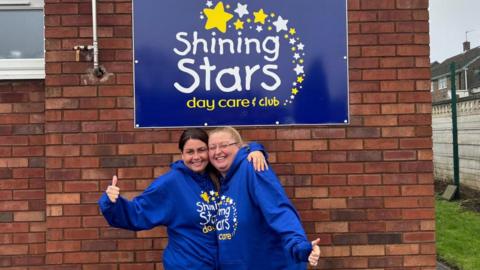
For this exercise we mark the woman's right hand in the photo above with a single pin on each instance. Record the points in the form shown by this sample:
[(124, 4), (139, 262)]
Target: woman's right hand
[(113, 191)]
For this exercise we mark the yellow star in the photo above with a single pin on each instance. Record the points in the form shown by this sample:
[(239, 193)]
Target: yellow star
[(294, 49), (292, 31), (300, 61), (294, 90), (269, 28), (272, 14), (260, 16), (286, 36), (249, 20), (217, 18), (238, 24), (299, 79)]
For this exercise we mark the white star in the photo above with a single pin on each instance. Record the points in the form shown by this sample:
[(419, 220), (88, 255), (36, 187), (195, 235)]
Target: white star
[(223, 197), (296, 56), (292, 41), (211, 192), (201, 17), (294, 84), (209, 3), (298, 69), (280, 24), (241, 10), (259, 28), (300, 46)]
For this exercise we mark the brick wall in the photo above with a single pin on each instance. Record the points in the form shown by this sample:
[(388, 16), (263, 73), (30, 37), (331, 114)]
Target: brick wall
[(22, 182), (366, 188)]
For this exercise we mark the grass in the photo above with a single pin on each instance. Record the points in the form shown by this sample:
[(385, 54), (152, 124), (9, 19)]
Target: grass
[(458, 235)]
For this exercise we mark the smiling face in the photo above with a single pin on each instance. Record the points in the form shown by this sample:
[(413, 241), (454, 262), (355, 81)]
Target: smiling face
[(222, 150), (195, 155)]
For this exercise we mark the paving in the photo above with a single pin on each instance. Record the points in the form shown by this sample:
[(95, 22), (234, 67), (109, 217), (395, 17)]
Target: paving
[(441, 266)]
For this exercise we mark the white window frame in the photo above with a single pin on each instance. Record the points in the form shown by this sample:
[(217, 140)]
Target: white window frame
[(442, 83), (26, 68)]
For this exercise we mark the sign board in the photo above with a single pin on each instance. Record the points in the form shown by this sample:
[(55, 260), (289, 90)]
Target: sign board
[(206, 62)]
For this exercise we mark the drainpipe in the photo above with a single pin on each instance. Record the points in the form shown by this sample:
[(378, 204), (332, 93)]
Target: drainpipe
[(97, 70)]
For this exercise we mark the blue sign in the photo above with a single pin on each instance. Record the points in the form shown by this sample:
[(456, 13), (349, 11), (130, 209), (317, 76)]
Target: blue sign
[(270, 62)]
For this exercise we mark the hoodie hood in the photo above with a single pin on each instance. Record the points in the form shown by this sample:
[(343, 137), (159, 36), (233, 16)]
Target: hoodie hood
[(203, 180)]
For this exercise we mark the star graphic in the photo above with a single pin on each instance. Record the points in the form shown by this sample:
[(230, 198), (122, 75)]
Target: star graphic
[(300, 46), (238, 24), (259, 28), (292, 41), (299, 79), (298, 69), (241, 10), (260, 16), (292, 31), (294, 90), (217, 18), (280, 24), (209, 4)]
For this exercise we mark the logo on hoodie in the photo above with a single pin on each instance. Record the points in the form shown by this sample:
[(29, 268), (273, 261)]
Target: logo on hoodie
[(227, 218), (207, 209)]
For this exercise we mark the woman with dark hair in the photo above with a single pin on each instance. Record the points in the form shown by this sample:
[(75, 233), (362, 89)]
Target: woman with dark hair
[(183, 199)]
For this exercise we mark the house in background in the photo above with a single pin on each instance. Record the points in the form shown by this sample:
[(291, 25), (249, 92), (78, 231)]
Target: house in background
[(467, 75)]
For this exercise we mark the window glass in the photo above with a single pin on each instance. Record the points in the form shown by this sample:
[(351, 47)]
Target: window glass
[(24, 38)]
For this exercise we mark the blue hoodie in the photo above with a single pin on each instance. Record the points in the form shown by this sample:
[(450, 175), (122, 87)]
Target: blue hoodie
[(180, 200), (257, 226)]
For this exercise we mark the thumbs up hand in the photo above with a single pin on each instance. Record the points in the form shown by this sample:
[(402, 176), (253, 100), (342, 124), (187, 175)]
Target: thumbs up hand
[(315, 254), (113, 191)]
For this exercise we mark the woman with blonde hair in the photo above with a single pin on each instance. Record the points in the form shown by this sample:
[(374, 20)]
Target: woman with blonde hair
[(257, 226)]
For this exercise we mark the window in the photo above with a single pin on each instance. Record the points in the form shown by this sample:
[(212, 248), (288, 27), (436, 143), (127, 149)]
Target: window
[(22, 39), (442, 83)]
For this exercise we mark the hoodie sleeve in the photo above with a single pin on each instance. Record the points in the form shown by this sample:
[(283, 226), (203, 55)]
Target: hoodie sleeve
[(255, 146), (149, 209), (279, 213)]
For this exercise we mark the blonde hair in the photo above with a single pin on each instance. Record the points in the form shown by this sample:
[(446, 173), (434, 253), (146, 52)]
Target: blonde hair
[(230, 130)]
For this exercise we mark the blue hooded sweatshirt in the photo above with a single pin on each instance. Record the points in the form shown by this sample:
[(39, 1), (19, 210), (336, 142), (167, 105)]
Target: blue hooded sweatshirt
[(180, 201), (257, 226)]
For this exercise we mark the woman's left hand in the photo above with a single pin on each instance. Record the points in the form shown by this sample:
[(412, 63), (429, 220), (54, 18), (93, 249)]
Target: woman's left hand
[(258, 160), (315, 254)]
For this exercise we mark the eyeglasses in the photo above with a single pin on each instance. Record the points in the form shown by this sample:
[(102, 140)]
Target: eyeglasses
[(221, 146), (199, 151)]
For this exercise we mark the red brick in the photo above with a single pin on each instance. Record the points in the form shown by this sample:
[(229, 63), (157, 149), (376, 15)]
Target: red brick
[(332, 156), (117, 256), (310, 192), (377, 4), (418, 237), (382, 191), (365, 109), (369, 226), (293, 134), (381, 120), (310, 168), (295, 157), (341, 168), (13, 249), (399, 155), (132, 149), (368, 250), (417, 190), (329, 203), (70, 198), (398, 132), (384, 214), (412, 4), (13, 205)]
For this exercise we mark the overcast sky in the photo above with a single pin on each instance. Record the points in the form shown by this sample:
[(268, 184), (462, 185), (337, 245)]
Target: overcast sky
[(449, 19)]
